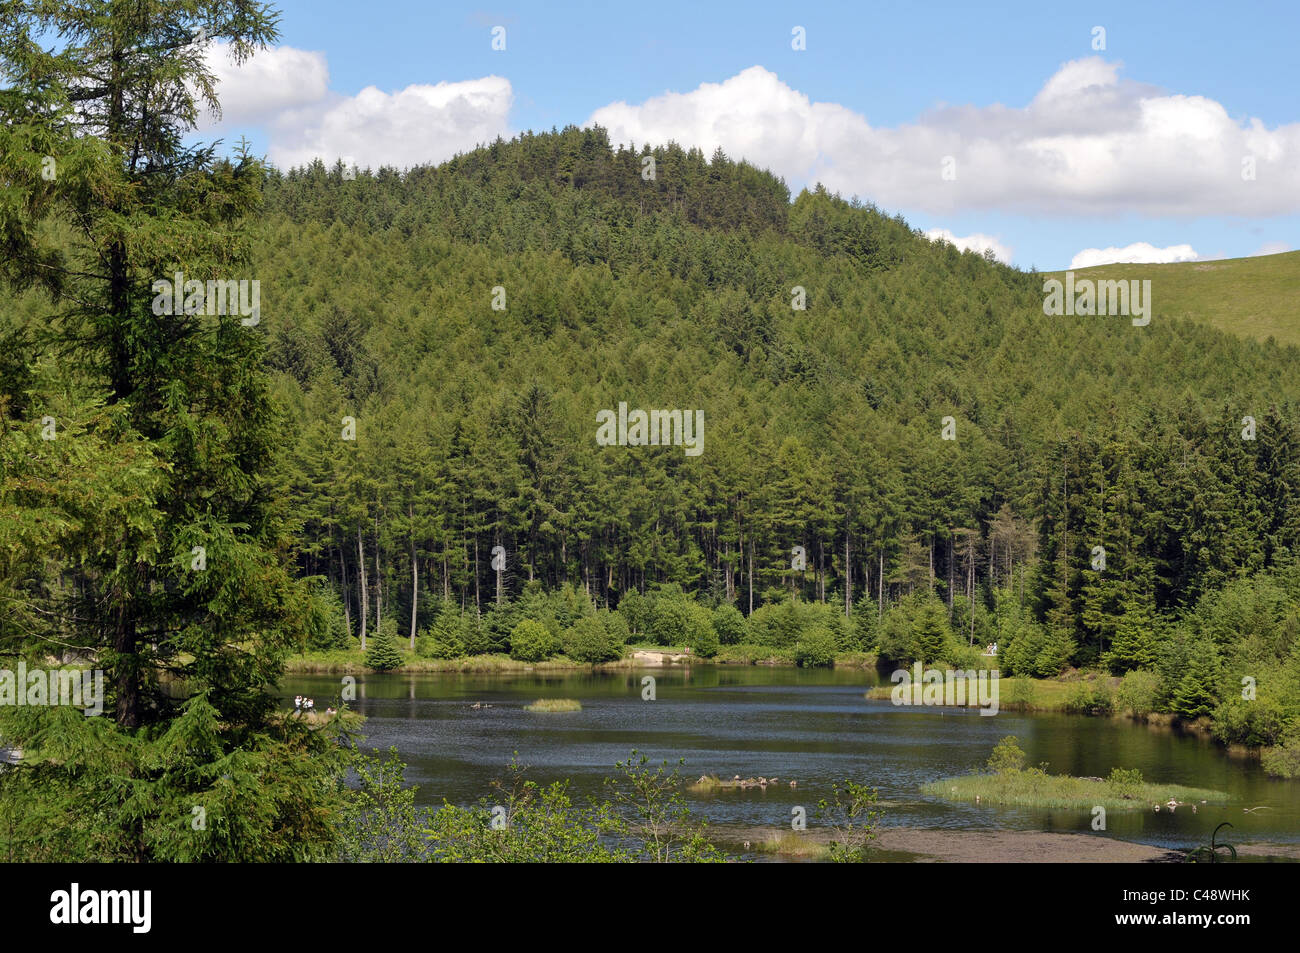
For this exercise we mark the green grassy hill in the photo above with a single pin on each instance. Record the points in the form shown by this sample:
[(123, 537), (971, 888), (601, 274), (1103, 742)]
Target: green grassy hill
[(1250, 297)]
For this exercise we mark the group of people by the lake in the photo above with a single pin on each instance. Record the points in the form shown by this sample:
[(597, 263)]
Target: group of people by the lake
[(991, 649), (302, 703)]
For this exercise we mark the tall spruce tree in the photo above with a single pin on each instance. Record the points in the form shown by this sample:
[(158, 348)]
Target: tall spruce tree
[(171, 552)]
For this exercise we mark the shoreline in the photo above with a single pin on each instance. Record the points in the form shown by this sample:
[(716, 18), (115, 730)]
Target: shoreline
[(927, 845)]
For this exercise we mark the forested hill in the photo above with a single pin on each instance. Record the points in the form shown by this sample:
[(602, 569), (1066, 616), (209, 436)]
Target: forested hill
[(476, 426)]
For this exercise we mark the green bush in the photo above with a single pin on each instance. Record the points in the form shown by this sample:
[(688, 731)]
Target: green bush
[(1261, 721), (700, 635), (729, 624), (1007, 756), (589, 641), (638, 612), (1138, 693), (1125, 783), (816, 647), (1283, 761), (1090, 698), (616, 627), (531, 641), (966, 657)]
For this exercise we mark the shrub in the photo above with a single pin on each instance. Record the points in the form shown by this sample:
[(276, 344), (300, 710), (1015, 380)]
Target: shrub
[(637, 612), (1283, 761), (531, 641), (616, 627), (775, 624), (700, 635), (589, 641), (1138, 692), (1125, 783), (966, 657), (816, 647), (729, 624), (1259, 722), (1090, 698), (1007, 756)]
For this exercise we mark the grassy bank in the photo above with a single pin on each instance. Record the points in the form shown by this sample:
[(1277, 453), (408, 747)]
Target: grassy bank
[(1081, 694)]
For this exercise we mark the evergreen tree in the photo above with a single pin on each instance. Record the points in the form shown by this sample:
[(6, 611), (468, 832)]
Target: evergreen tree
[(384, 653)]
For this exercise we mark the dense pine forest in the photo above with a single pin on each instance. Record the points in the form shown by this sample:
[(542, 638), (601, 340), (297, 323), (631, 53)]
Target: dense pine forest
[(956, 466)]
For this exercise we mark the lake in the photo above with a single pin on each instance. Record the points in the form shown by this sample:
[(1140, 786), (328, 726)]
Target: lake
[(812, 725)]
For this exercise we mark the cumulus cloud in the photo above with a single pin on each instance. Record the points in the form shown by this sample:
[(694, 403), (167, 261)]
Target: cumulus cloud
[(270, 82), (978, 243), (1137, 253), (1089, 142), (286, 91), (416, 125)]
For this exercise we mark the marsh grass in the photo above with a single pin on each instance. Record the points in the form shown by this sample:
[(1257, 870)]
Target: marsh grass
[(554, 704), (793, 844), (1034, 788)]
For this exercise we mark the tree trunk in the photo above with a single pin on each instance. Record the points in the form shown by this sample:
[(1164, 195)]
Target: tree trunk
[(880, 584), (848, 579), (365, 595), (751, 576), (415, 576), (379, 590)]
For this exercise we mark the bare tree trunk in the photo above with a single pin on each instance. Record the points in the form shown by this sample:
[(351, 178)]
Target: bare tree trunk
[(880, 584), (365, 595), (501, 584), (379, 591), (347, 592), (970, 589), (415, 575), (848, 579), (751, 576), (951, 559)]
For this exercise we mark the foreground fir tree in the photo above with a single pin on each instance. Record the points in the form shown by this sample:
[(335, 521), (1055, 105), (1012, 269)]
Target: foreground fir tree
[(144, 538)]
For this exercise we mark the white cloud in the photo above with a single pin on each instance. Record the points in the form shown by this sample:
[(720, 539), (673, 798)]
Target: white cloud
[(978, 243), (1137, 253), (1087, 143), (416, 125), (286, 91), (270, 82)]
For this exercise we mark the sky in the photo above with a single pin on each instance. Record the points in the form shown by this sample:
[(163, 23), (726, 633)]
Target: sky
[(1058, 135)]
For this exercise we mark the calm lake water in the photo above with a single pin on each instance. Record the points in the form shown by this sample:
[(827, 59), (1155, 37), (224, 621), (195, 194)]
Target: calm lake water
[(814, 726)]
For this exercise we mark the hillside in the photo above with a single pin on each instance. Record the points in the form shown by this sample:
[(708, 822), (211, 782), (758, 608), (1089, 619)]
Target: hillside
[(1251, 297), (823, 427)]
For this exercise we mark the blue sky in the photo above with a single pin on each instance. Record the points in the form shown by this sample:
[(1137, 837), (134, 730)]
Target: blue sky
[(1140, 142)]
